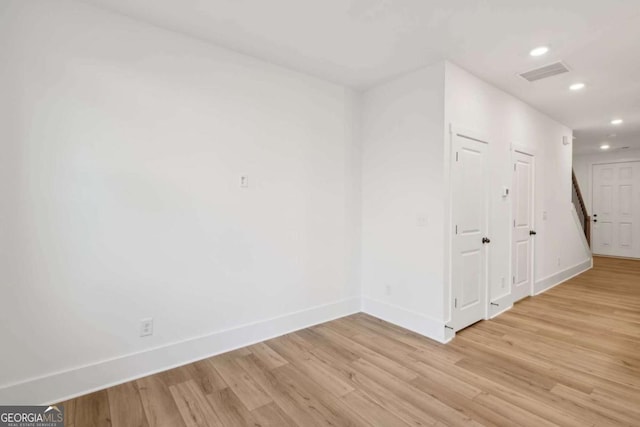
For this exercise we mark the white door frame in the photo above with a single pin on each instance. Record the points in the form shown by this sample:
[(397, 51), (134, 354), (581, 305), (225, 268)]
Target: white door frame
[(528, 151), (482, 138), (590, 183), (590, 178)]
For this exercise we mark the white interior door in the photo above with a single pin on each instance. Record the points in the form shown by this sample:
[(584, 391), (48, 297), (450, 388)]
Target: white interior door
[(523, 227), (616, 214), (469, 246)]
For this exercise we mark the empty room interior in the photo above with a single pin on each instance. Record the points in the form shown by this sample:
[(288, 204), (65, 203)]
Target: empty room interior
[(319, 213)]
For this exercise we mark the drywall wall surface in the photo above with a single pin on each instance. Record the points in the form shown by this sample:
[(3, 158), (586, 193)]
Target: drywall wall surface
[(122, 151), (403, 196), (505, 121)]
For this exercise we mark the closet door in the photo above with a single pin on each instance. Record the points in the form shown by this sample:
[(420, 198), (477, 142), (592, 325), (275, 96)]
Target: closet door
[(470, 238), (523, 229)]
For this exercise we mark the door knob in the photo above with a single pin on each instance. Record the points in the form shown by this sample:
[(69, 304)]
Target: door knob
[(532, 233), (486, 240)]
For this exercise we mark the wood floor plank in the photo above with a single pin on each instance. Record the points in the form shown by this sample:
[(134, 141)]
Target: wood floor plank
[(364, 352), (516, 414), (413, 395), (249, 392), (372, 412), (608, 415), (377, 392), (203, 372), (568, 357), (268, 356), (69, 412), (157, 403), (460, 403), (325, 408), (93, 410), (272, 415), (315, 369), (125, 406), (282, 396), (229, 409), (193, 405)]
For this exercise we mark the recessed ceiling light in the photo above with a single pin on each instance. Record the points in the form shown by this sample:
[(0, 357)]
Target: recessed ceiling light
[(605, 146), (577, 86), (539, 51), (616, 121)]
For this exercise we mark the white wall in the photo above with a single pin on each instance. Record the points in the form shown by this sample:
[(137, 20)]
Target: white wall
[(583, 166), (121, 150), (403, 200), (406, 215), (472, 104)]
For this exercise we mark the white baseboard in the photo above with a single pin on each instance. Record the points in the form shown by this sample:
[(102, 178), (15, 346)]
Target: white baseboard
[(555, 279), (61, 386), (500, 311), (504, 303), (416, 322)]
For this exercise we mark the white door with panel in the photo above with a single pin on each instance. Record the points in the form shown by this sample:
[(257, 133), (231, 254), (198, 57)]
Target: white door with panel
[(523, 228), (616, 209), (470, 207)]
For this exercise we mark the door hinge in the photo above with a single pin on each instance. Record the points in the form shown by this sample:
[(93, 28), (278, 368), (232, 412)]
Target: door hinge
[(456, 229), (514, 167), (456, 156), (455, 303), (514, 223), (513, 280)]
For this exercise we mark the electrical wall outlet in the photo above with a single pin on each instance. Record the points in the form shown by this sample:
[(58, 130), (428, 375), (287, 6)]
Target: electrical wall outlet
[(146, 327)]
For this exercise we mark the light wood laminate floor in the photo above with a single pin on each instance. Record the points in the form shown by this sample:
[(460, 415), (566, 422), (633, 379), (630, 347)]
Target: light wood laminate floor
[(569, 357)]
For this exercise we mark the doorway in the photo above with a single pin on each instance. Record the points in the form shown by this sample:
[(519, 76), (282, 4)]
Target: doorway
[(616, 209), (470, 206), (522, 250)]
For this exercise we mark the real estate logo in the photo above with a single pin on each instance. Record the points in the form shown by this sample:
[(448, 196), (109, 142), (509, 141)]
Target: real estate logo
[(31, 416)]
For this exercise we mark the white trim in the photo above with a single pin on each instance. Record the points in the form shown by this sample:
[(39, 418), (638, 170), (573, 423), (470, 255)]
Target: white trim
[(474, 134), (555, 279), (60, 386), (504, 300), (483, 138), (524, 149), (453, 129), (590, 179), (416, 322), (612, 162), (501, 311), (515, 148)]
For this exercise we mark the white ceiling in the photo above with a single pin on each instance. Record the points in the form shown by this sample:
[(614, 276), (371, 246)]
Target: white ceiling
[(362, 42)]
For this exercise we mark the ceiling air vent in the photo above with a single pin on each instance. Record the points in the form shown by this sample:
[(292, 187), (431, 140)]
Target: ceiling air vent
[(544, 72)]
